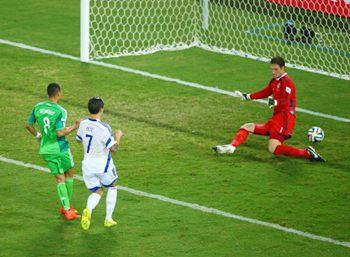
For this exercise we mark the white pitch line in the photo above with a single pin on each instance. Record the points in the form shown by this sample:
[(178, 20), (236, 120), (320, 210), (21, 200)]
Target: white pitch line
[(197, 207), (160, 77)]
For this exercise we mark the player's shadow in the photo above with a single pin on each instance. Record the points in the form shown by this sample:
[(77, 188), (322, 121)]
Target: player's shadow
[(100, 243), (68, 239), (128, 116), (249, 157), (257, 152), (338, 165), (54, 242), (284, 164), (287, 166)]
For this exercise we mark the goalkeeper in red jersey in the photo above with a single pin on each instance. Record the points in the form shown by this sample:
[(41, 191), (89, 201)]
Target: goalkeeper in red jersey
[(281, 96)]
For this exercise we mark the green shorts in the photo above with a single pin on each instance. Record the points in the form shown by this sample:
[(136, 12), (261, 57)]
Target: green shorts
[(59, 163)]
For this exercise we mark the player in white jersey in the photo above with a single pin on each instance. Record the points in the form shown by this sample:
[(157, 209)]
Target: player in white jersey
[(98, 168)]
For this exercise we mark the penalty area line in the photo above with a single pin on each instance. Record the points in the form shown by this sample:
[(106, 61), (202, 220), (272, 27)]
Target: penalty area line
[(197, 207), (159, 77)]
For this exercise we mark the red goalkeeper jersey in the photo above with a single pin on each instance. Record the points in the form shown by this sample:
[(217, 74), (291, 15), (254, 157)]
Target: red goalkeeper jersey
[(283, 91)]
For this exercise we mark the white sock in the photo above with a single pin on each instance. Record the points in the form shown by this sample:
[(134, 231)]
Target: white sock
[(92, 201), (111, 200)]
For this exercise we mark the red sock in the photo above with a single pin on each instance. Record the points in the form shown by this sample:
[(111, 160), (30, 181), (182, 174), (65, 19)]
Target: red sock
[(291, 151), (240, 137)]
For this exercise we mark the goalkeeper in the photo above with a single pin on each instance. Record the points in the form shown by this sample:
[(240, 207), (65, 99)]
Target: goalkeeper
[(281, 96)]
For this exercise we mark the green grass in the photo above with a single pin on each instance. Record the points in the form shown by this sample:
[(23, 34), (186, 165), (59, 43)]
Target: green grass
[(169, 130), (146, 228)]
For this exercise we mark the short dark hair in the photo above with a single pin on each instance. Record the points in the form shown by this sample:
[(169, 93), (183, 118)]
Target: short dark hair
[(53, 89), (278, 60), (95, 104)]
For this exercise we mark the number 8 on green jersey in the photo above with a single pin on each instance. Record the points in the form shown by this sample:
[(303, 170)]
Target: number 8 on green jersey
[(51, 117)]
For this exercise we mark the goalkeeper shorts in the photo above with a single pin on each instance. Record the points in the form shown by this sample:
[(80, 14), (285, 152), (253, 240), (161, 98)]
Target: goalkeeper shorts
[(279, 127)]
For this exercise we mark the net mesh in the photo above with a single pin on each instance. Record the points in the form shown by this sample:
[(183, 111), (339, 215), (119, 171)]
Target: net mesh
[(310, 36)]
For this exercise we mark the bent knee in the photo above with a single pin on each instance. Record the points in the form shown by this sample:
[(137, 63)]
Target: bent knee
[(249, 127), (69, 173), (99, 191), (60, 178), (273, 144), (272, 148)]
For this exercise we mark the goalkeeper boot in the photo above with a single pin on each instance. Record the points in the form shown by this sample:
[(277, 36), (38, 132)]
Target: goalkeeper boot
[(224, 149), (110, 223), (71, 215), (314, 155), (86, 219)]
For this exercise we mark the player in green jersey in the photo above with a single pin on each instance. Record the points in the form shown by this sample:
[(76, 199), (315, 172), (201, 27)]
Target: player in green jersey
[(54, 148)]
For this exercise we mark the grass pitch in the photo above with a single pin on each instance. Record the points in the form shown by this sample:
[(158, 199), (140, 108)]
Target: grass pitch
[(169, 130)]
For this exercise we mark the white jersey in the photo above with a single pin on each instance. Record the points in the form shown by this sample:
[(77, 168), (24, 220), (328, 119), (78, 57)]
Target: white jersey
[(97, 139)]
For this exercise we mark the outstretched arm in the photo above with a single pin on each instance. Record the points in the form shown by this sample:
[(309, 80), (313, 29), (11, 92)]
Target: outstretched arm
[(265, 92)]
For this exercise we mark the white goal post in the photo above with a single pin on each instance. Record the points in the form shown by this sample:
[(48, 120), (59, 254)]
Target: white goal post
[(312, 36), (84, 30)]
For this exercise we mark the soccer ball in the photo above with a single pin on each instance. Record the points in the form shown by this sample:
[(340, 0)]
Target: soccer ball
[(315, 134)]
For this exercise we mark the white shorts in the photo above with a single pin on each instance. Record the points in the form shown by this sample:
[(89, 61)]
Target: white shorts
[(94, 181)]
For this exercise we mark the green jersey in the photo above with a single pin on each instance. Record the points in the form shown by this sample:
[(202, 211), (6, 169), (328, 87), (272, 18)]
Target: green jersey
[(50, 117)]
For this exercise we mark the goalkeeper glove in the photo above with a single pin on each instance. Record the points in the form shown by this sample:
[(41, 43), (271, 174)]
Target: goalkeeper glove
[(271, 102), (244, 96)]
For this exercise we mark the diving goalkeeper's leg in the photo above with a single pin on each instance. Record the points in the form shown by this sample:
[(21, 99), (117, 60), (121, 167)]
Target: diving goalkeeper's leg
[(276, 147), (240, 137)]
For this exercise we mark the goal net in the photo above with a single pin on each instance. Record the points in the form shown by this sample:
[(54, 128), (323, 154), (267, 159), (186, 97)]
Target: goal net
[(310, 35)]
